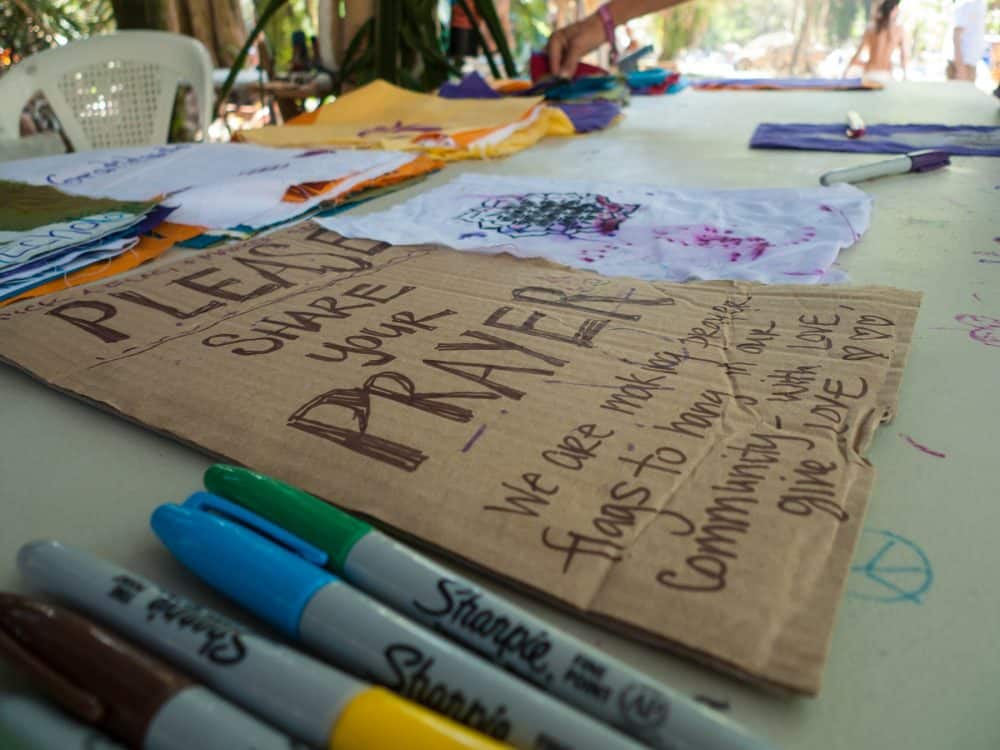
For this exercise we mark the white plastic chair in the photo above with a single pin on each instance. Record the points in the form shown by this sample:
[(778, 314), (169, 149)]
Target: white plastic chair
[(111, 90)]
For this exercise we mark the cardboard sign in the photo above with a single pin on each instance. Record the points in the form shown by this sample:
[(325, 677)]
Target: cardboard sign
[(682, 461)]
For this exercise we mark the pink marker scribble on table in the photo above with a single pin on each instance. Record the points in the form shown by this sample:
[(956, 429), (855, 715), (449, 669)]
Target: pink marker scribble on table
[(985, 330), (738, 247), (921, 447)]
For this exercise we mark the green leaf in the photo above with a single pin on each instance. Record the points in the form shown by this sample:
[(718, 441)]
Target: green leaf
[(388, 19), (494, 70), (488, 13), (409, 80), (273, 7)]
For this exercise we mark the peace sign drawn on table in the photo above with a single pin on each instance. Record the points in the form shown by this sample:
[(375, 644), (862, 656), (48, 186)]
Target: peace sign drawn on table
[(889, 568)]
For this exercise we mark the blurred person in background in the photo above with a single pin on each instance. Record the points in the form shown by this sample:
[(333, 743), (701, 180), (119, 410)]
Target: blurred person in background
[(969, 39), (883, 36), (568, 45)]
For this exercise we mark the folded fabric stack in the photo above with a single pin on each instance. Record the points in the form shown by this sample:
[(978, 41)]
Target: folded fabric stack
[(76, 218), (46, 234), (590, 80), (583, 116), (383, 116)]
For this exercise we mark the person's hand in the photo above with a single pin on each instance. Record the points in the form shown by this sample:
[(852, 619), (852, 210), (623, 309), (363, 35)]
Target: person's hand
[(569, 44)]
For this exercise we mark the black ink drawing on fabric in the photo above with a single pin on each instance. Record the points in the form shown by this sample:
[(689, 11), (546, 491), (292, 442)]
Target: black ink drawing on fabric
[(571, 215)]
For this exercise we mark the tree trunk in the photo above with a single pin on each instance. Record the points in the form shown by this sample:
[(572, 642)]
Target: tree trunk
[(804, 41), (199, 15), (146, 14), (229, 30)]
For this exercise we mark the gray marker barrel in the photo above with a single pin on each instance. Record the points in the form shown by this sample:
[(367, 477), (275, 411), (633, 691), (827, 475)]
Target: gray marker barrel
[(198, 719), (371, 640), (289, 690), (576, 672), (34, 724)]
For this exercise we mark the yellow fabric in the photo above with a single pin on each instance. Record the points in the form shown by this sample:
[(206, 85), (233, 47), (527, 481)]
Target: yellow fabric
[(384, 116), (559, 122), (378, 719)]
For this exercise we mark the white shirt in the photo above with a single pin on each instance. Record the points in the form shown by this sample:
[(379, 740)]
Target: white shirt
[(970, 17)]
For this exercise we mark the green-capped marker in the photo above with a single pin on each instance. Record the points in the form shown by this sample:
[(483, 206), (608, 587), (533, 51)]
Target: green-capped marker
[(322, 525), (608, 689)]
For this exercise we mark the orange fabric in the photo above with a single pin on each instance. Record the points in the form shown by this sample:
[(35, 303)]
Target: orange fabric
[(150, 246), (304, 118), (420, 166), (512, 87)]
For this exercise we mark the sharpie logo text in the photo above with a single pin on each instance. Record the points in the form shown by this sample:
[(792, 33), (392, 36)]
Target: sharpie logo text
[(223, 645), (412, 679), (460, 609)]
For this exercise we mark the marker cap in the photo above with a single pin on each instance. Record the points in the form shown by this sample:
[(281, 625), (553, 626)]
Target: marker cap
[(378, 718), (319, 523), (90, 672), (258, 564), (928, 160)]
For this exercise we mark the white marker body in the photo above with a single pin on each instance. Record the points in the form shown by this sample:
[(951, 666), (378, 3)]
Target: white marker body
[(355, 632), (39, 725), (899, 165), (198, 719)]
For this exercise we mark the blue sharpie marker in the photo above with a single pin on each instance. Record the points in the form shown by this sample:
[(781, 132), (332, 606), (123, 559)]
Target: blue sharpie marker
[(280, 578)]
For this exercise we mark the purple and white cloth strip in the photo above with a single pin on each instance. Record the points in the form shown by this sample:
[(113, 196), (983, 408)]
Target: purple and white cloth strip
[(783, 84), (957, 140)]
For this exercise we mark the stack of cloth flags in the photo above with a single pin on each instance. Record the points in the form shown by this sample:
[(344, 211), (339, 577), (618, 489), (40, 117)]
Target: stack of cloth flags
[(76, 218), (469, 119), (46, 234), (382, 116), (592, 100)]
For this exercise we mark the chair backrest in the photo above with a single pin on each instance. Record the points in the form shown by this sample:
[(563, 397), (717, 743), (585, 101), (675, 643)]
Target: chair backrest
[(111, 90)]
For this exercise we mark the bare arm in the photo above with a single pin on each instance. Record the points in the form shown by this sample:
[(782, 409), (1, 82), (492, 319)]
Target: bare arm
[(857, 55), (904, 52), (567, 45), (957, 40)]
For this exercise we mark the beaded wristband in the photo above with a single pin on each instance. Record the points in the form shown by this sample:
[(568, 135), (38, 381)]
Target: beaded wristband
[(609, 29)]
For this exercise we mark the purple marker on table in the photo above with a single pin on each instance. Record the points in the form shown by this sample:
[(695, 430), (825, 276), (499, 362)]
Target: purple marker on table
[(915, 161)]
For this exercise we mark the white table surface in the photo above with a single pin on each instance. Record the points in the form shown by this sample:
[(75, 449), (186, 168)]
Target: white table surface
[(917, 667)]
